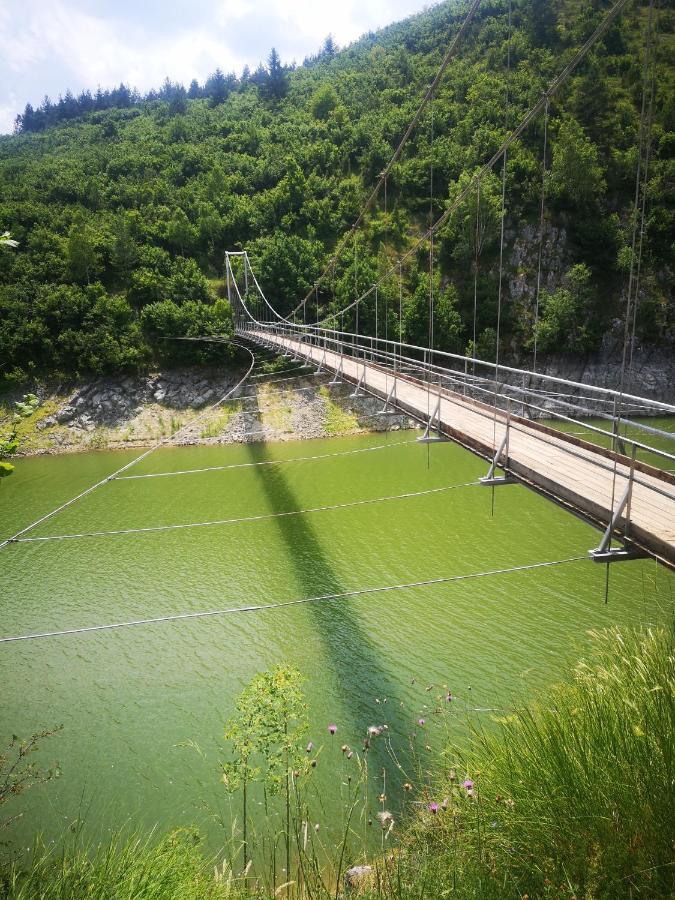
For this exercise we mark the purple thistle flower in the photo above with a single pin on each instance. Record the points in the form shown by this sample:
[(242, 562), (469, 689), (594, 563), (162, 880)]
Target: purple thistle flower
[(468, 784), (433, 807), (449, 697), (420, 721), (332, 729)]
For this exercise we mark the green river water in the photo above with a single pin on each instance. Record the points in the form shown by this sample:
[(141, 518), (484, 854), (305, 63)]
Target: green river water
[(130, 699)]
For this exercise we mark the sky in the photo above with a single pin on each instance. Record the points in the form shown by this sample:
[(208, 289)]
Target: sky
[(48, 46)]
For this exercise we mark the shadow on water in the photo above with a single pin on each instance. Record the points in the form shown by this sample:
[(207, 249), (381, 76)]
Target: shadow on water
[(352, 656)]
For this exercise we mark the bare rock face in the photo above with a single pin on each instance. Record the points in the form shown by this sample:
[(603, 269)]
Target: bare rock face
[(113, 401), (524, 259)]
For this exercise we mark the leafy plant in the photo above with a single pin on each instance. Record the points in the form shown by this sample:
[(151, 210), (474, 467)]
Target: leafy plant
[(8, 446), (18, 772), (264, 736)]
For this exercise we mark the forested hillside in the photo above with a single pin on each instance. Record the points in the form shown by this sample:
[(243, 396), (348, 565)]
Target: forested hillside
[(123, 213)]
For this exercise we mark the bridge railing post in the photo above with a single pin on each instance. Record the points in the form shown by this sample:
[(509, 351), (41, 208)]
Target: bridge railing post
[(631, 479)]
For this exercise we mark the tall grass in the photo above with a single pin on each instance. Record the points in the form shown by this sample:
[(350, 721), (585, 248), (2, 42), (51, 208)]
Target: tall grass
[(126, 868), (573, 795)]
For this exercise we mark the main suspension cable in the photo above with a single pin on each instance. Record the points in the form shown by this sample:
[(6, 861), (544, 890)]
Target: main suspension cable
[(399, 149), (529, 116)]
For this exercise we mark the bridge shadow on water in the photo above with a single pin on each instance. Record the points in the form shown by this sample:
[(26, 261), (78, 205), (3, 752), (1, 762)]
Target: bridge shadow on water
[(353, 657)]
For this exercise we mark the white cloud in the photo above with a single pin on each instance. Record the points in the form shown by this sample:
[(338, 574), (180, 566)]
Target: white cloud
[(48, 46)]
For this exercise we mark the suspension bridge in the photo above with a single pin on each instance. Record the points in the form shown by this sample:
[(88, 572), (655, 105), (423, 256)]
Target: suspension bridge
[(597, 451), (612, 488), (518, 420)]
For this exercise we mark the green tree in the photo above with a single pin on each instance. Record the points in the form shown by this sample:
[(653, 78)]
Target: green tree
[(82, 254), (446, 321), (563, 325), (576, 174), (276, 84), (180, 233), (265, 737), (123, 252), (323, 102)]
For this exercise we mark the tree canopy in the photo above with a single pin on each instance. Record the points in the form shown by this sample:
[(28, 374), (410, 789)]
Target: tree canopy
[(123, 205)]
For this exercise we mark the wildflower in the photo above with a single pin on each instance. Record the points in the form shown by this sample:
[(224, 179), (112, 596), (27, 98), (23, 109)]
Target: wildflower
[(509, 803), (344, 748), (407, 786), (449, 697), (385, 818), (310, 746), (469, 792), (349, 756), (317, 826), (314, 764), (453, 775), (444, 804), (332, 729), (382, 798), (428, 748), (468, 784), (433, 807), (420, 722), (376, 730)]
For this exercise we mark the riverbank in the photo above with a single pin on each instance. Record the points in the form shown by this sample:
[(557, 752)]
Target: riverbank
[(286, 402), (281, 402)]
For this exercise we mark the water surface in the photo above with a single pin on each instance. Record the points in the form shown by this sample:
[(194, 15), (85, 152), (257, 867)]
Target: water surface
[(130, 699)]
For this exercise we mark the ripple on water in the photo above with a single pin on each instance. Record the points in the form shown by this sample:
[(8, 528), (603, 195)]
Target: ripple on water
[(129, 699)]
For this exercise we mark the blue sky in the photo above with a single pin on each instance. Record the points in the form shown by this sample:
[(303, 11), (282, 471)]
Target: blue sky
[(48, 46)]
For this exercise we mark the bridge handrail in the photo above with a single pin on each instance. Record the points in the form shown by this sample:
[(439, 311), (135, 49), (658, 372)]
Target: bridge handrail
[(434, 369), (335, 335)]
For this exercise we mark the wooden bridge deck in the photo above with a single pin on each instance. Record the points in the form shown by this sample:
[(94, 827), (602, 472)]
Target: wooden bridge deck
[(573, 472)]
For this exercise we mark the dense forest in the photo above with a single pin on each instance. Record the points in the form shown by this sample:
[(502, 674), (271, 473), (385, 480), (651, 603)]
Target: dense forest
[(123, 205)]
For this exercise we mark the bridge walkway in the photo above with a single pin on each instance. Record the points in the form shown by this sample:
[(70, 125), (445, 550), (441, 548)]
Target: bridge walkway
[(571, 471)]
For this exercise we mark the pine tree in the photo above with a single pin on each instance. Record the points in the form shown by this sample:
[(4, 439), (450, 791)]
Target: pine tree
[(216, 87), (277, 78)]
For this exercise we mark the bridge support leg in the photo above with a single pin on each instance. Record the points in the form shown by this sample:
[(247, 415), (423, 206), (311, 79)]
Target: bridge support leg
[(433, 425), (337, 378), (605, 553), (357, 390), (389, 408), (492, 479), (319, 369)]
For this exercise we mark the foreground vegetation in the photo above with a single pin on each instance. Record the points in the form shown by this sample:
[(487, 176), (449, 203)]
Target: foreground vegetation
[(570, 796), (123, 206)]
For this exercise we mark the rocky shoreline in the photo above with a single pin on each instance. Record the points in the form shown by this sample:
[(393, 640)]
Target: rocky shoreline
[(280, 402), (178, 405)]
